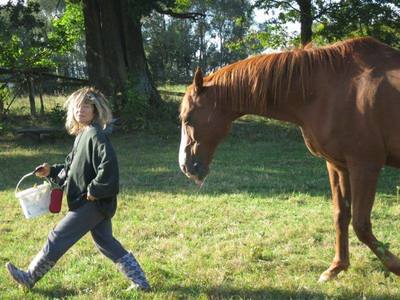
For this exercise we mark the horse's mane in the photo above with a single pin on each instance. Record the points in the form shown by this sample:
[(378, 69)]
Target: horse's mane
[(261, 79)]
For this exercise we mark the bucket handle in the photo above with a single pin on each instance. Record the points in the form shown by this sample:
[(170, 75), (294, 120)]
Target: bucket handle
[(25, 176)]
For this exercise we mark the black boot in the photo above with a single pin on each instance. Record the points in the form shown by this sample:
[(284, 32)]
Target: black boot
[(39, 266), (132, 270)]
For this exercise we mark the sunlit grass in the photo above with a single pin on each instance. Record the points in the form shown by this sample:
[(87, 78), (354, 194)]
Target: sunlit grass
[(21, 105), (173, 87)]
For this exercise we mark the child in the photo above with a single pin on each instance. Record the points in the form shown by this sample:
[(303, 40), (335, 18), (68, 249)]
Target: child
[(90, 180)]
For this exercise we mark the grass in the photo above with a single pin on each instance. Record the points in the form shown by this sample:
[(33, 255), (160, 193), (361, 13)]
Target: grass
[(260, 228)]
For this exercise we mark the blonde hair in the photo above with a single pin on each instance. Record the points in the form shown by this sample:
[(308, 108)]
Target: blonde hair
[(90, 95)]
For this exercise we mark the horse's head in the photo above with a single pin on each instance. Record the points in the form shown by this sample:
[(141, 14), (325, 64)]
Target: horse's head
[(204, 125)]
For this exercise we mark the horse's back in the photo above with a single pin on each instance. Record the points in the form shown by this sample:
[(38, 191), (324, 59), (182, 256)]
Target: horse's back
[(357, 113)]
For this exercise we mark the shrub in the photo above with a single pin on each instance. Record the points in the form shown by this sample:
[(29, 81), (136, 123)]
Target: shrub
[(57, 115)]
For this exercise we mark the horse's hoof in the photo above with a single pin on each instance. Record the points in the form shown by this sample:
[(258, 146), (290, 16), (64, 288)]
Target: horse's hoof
[(326, 276), (329, 275)]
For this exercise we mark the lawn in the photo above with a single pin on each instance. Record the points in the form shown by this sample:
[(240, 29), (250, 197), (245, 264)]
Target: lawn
[(260, 228)]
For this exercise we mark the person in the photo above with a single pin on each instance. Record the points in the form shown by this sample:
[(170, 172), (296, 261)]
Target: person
[(90, 180)]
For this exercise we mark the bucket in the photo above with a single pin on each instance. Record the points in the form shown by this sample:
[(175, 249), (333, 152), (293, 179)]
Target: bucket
[(34, 201)]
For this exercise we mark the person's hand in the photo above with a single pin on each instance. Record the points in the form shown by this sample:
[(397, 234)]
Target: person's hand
[(90, 197), (43, 170)]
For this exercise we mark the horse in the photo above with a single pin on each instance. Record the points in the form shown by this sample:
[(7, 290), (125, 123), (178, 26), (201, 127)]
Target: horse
[(344, 97)]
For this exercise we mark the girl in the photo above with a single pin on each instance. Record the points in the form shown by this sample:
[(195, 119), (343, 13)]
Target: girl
[(90, 180)]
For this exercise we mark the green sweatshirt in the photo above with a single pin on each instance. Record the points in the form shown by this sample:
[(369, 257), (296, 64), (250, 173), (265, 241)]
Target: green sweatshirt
[(91, 166)]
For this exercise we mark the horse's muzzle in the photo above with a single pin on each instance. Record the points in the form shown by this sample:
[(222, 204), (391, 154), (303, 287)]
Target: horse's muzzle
[(196, 171)]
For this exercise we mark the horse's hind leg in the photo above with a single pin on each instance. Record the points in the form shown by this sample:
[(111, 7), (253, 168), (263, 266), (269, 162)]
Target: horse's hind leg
[(340, 186), (363, 181)]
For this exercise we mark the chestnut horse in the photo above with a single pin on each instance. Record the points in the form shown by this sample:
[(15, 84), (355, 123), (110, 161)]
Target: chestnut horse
[(346, 100)]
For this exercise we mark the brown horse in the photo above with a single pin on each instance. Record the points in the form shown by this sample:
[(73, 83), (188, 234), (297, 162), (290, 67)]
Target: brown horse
[(346, 100)]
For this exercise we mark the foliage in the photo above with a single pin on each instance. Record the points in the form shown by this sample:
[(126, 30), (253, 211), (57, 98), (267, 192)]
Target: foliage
[(359, 18), (142, 8), (23, 39), (35, 40), (136, 107), (69, 29), (31, 38), (5, 97), (57, 115), (175, 47), (333, 20), (272, 36), (170, 48), (274, 33), (139, 114), (230, 22)]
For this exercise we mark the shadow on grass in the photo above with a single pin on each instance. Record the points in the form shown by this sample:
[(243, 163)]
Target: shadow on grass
[(267, 293), (198, 292), (55, 292)]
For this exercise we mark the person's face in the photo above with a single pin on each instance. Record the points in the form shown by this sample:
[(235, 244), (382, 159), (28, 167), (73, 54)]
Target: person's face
[(84, 113)]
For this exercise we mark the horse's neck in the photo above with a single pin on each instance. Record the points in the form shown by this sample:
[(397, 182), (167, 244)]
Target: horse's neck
[(287, 110), (280, 105)]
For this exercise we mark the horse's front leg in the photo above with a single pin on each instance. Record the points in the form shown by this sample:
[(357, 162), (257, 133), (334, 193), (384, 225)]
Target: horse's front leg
[(363, 181), (340, 186)]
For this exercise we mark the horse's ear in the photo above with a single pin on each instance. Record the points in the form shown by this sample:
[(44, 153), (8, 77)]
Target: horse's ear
[(198, 80)]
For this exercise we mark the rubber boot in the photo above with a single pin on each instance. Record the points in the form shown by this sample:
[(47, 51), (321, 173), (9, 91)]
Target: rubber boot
[(132, 270), (38, 267)]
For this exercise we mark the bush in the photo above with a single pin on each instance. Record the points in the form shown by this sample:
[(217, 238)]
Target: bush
[(57, 115), (136, 108)]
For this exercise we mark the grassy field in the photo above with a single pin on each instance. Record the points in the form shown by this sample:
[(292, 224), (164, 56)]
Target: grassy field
[(260, 228)]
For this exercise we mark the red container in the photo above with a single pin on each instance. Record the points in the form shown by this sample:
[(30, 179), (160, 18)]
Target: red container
[(55, 200)]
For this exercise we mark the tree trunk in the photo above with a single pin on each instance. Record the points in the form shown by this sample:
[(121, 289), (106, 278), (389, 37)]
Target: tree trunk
[(1, 109), (115, 54), (221, 46), (31, 90), (306, 21), (41, 103), (202, 49)]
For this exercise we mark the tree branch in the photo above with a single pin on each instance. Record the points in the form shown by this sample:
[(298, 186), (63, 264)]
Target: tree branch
[(259, 4), (186, 15), (288, 4)]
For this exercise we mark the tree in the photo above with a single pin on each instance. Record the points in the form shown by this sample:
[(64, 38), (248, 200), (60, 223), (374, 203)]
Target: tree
[(114, 48), (304, 11), (175, 47), (334, 20), (170, 47), (23, 42), (67, 36), (359, 18), (229, 22), (290, 11)]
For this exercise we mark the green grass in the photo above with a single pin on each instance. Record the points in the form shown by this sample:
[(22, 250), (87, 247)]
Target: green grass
[(173, 87), (260, 228)]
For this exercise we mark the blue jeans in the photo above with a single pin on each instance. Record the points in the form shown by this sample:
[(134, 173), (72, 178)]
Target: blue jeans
[(75, 225)]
